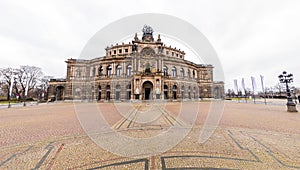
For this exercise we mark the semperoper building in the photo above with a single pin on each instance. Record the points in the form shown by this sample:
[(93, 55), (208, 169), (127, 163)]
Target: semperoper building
[(145, 69)]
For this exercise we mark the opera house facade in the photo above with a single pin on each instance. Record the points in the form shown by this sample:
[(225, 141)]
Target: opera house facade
[(145, 69)]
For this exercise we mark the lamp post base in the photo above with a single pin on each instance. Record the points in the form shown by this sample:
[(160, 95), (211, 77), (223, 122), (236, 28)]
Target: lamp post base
[(291, 107)]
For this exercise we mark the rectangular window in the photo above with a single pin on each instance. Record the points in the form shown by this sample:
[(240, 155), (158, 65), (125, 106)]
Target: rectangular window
[(120, 51), (176, 55), (126, 50), (115, 52), (172, 53), (167, 52)]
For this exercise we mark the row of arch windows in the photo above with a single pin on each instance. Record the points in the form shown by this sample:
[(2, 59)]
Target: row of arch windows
[(129, 71), (118, 70), (174, 91), (191, 92), (128, 86), (174, 72)]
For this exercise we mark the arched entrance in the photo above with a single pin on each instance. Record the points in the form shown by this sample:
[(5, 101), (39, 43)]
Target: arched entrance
[(189, 93), (217, 93), (182, 92), (108, 92), (174, 89), (166, 92), (118, 92), (147, 90), (99, 92), (128, 89), (60, 92)]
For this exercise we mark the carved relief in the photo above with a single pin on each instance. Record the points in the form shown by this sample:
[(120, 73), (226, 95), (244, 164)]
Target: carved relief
[(147, 51)]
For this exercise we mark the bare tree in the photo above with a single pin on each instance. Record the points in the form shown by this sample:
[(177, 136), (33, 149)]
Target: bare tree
[(7, 75), (27, 79), (45, 85), (279, 88)]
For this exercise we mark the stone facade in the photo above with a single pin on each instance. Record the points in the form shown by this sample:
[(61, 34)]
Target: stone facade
[(145, 69)]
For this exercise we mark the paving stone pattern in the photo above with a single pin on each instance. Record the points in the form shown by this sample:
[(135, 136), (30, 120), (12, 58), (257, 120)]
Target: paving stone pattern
[(250, 136)]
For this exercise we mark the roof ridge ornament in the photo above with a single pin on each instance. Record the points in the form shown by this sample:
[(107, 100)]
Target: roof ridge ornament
[(136, 37), (147, 34), (147, 30)]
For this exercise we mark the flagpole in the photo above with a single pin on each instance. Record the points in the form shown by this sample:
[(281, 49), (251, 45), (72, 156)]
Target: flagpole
[(236, 88), (253, 87), (243, 87), (263, 89)]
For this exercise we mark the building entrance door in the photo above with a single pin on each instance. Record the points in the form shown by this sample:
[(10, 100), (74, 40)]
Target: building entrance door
[(147, 93), (60, 93), (147, 89)]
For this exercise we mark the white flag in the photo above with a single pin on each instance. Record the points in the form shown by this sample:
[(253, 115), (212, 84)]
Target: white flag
[(236, 89), (243, 86), (253, 84), (262, 83)]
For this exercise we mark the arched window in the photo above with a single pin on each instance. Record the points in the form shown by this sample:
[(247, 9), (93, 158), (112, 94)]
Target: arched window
[(193, 73), (128, 71), (78, 73), (181, 72), (100, 71), (148, 68), (77, 91), (119, 70), (109, 70), (165, 69), (174, 72), (189, 92), (189, 73), (94, 71), (174, 88)]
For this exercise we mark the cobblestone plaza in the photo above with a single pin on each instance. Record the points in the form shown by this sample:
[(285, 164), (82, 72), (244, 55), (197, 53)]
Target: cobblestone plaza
[(249, 136)]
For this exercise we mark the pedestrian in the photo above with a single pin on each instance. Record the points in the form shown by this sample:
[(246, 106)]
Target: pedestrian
[(299, 98)]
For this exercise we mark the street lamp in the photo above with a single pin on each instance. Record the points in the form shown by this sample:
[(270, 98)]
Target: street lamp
[(288, 78)]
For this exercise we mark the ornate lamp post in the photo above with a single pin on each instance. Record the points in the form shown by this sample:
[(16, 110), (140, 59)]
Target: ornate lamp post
[(288, 78)]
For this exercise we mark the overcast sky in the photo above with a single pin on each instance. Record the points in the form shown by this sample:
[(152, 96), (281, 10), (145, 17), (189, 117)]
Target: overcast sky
[(251, 38)]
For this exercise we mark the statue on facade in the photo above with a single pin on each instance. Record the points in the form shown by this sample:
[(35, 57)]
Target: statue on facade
[(147, 34), (147, 30)]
